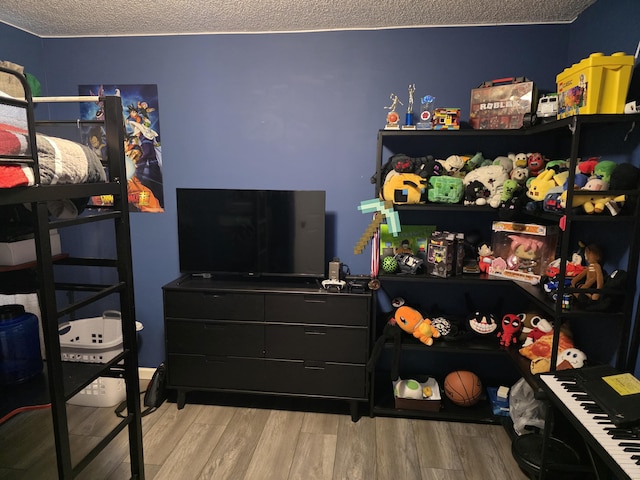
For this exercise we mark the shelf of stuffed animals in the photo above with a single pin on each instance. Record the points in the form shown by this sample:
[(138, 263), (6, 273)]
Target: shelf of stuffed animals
[(611, 222)]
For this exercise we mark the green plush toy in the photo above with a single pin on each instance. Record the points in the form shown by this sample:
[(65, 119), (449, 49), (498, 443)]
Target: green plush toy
[(604, 169)]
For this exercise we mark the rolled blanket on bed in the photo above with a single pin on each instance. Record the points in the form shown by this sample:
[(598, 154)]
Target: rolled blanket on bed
[(61, 161)]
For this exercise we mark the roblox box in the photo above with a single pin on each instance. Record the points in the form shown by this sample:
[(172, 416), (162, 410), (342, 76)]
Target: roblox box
[(506, 103)]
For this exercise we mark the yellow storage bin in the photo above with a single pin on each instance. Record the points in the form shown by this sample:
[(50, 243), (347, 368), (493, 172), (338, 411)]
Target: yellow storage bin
[(597, 84)]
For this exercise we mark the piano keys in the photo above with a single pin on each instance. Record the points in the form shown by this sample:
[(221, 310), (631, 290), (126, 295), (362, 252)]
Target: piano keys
[(616, 442)]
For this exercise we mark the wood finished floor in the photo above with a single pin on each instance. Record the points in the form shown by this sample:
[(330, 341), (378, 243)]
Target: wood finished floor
[(215, 442)]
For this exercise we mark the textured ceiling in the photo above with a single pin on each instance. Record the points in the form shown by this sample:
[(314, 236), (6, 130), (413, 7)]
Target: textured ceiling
[(75, 18)]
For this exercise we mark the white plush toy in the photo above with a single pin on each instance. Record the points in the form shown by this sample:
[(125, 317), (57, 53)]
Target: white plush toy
[(570, 358), (492, 177)]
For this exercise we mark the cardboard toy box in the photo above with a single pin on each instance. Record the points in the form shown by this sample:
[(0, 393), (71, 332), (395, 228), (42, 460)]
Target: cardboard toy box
[(596, 84), (503, 106), (24, 251), (522, 251), (445, 254), (429, 404)]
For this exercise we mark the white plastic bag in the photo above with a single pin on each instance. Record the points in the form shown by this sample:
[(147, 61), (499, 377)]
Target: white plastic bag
[(524, 409)]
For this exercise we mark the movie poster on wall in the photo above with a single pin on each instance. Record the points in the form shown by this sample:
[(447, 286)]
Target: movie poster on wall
[(143, 153)]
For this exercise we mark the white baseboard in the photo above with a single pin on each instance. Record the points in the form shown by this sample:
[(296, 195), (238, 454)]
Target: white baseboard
[(145, 373)]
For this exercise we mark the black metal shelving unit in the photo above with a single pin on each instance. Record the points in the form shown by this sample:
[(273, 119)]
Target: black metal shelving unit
[(65, 379), (613, 136)]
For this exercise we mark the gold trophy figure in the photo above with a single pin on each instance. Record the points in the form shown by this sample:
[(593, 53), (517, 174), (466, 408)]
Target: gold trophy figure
[(393, 118)]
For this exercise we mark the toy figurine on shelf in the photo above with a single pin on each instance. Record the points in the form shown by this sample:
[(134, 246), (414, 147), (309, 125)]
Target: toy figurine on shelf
[(393, 118), (592, 276), (408, 124), (485, 257)]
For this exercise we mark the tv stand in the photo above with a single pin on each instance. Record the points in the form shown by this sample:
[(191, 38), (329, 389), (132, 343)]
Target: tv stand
[(284, 337)]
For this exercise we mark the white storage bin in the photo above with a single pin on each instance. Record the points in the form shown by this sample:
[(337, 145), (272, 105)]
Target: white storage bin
[(103, 392), (91, 340), (24, 251)]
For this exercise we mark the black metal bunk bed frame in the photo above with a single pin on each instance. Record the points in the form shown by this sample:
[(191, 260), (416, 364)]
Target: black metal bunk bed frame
[(65, 379)]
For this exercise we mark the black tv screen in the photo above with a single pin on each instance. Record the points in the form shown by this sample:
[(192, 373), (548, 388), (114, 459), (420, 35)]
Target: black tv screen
[(251, 232)]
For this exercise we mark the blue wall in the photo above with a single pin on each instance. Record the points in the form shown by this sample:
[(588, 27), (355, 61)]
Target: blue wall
[(297, 110)]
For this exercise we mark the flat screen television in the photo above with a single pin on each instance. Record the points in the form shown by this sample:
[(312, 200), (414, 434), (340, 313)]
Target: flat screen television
[(254, 233)]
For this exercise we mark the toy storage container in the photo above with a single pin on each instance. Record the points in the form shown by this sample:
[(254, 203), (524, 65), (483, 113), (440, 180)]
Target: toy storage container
[(20, 355), (597, 84)]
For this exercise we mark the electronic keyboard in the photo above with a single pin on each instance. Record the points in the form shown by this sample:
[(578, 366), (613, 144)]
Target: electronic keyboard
[(608, 419)]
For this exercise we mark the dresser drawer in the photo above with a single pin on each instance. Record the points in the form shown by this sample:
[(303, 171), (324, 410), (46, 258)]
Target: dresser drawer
[(201, 372), (316, 378), (244, 339), (316, 342), (215, 306), (328, 309)]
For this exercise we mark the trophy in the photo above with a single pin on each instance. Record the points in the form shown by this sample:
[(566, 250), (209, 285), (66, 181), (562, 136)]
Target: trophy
[(408, 123), (426, 113), (392, 117)]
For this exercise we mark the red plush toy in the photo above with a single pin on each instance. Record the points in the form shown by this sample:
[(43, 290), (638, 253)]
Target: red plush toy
[(511, 328)]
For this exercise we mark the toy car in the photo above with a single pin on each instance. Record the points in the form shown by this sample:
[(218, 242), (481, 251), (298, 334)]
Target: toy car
[(547, 107)]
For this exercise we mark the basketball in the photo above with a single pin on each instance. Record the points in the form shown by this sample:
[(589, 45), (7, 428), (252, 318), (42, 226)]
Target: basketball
[(463, 388)]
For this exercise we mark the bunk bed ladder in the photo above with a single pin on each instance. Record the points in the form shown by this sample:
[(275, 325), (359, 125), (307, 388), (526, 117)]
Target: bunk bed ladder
[(125, 364)]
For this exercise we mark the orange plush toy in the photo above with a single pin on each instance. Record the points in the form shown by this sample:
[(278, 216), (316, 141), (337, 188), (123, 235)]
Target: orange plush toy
[(412, 321)]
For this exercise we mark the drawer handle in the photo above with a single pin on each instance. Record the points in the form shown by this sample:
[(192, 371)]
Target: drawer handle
[(314, 332), (315, 299), (215, 360), (213, 326), (313, 365)]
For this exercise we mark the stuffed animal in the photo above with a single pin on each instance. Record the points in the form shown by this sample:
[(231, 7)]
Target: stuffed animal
[(482, 322), (536, 163), (452, 165), (541, 349), (529, 322), (411, 321), (597, 203), (571, 358), (626, 176), (604, 169), (504, 162), (475, 193), (430, 167), (520, 175), (445, 189), (539, 326), (511, 328), (401, 188), (520, 160), (540, 185), (473, 162), (492, 177)]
